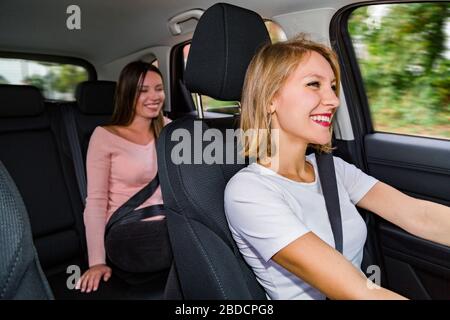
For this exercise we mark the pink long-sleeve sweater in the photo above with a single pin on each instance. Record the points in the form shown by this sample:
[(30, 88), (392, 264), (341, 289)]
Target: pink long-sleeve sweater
[(116, 169)]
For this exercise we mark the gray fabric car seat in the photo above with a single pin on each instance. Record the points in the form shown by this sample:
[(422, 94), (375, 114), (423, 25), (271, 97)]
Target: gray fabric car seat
[(21, 276), (208, 265)]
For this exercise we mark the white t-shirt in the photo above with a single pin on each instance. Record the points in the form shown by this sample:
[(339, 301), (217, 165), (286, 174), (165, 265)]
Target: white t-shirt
[(266, 212)]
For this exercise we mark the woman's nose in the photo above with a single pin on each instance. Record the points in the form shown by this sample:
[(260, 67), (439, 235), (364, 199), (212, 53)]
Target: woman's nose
[(150, 94), (155, 94), (330, 99)]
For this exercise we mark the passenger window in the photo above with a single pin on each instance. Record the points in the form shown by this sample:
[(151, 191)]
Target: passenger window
[(56, 81), (403, 52), (232, 107)]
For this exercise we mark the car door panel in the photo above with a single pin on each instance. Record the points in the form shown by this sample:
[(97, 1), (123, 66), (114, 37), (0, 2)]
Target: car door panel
[(416, 268), (416, 165), (420, 167)]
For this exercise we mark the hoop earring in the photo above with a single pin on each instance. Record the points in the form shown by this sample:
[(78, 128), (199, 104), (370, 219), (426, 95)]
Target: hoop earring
[(269, 135), (269, 132)]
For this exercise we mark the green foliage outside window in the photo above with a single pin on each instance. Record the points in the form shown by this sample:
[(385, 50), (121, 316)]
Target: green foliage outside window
[(403, 55), (56, 81)]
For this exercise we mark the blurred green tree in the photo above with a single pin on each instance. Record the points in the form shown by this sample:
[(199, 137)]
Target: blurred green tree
[(59, 79), (35, 80), (403, 58), (67, 77)]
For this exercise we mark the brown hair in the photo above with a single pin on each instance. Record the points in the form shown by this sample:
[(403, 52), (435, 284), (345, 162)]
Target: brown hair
[(127, 93), (268, 71)]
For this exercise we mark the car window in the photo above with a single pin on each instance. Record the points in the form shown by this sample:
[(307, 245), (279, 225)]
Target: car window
[(209, 104), (55, 80), (403, 52)]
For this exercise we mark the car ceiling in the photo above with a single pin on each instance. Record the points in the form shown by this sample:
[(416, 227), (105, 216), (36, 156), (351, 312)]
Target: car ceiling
[(111, 29)]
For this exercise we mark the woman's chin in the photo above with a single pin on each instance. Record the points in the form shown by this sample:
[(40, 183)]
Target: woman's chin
[(322, 140), (152, 115)]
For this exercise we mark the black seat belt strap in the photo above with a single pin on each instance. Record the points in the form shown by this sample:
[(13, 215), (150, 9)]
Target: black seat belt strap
[(135, 201), (328, 182), (75, 149)]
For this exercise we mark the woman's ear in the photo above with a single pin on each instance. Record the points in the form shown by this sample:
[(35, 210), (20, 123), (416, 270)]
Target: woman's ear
[(273, 104), (272, 107)]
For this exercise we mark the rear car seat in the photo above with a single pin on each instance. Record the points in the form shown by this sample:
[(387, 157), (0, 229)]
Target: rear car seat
[(34, 149), (95, 105), (29, 149)]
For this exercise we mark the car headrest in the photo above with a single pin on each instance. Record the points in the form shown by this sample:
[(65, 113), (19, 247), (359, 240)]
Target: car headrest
[(96, 97), (20, 101), (224, 42)]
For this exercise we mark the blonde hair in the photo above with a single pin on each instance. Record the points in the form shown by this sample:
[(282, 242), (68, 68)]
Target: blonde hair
[(266, 74)]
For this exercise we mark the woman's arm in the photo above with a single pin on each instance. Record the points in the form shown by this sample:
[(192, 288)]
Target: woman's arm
[(422, 218), (98, 166), (327, 270)]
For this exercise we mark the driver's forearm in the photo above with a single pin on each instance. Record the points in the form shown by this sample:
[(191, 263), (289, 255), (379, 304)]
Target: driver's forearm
[(434, 222)]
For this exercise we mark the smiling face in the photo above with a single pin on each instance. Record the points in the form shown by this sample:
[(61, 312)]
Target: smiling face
[(151, 96), (305, 104)]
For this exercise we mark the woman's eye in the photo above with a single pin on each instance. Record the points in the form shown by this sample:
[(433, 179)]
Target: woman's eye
[(315, 84), (334, 88)]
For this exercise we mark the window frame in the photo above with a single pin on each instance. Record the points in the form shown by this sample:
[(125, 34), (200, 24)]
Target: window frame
[(176, 74)]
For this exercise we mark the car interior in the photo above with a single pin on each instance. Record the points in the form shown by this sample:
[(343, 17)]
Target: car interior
[(44, 140)]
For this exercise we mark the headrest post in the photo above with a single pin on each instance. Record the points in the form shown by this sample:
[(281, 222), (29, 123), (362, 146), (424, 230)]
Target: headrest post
[(199, 104)]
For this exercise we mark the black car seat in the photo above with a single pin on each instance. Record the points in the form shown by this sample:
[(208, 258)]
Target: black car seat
[(21, 276), (30, 149), (208, 265), (94, 107), (36, 153)]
